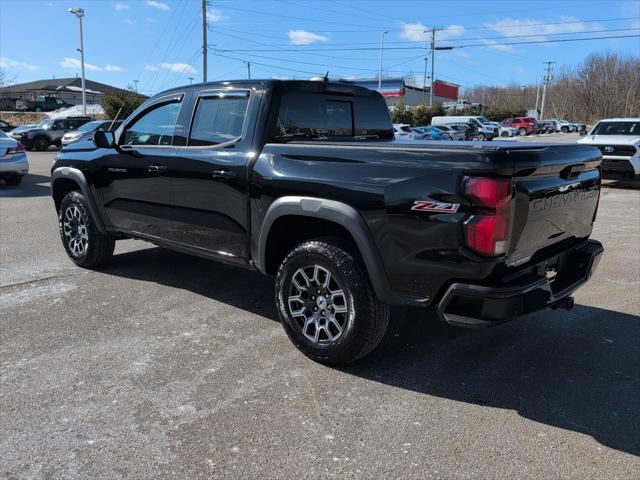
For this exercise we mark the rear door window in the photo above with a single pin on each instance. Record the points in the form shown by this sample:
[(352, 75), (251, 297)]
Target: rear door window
[(218, 118)]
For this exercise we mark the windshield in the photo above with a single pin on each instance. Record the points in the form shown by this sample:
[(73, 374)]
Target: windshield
[(46, 124), (617, 128), (484, 121), (89, 127)]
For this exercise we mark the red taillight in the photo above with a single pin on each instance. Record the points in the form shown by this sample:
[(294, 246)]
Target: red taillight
[(487, 231), (18, 149)]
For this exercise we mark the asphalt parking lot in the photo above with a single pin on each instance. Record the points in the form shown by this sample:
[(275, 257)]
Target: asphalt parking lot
[(162, 365)]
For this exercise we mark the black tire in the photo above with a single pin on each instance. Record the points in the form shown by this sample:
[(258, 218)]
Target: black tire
[(480, 137), (13, 181), (41, 144), (564, 129), (522, 131), (504, 134), (97, 248), (365, 318)]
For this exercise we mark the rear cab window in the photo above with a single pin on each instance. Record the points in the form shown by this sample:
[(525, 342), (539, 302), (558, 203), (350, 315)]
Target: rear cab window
[(327, 116)]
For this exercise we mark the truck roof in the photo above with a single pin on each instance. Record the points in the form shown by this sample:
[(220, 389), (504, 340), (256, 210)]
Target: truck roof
[(321, 86)]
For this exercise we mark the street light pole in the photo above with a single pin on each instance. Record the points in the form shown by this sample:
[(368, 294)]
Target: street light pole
[(433, 57), (79, 13), (381, 54)]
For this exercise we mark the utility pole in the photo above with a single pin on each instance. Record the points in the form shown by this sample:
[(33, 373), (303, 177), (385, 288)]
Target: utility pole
[(524, 105), (79, 13), (135, 83), (248, 70), (424, 80), (191, 80), (433, 58), (381, 54), (204, 41), (537, 95), (547, 79)]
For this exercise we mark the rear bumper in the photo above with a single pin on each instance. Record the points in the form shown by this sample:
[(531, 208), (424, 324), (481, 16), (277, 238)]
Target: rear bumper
[(471, 305), (15, 164)]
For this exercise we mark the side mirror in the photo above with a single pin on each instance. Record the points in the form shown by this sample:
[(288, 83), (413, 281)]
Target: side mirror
[(104, 139)]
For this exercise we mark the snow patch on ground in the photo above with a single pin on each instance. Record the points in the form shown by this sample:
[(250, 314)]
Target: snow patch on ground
[(76, 111)]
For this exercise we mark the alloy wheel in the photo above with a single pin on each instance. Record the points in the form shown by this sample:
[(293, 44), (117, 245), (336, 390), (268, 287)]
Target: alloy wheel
[(318, 304), (75, 230)]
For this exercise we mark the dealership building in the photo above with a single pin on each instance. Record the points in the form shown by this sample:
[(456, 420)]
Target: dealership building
[(395, 90), (67, 89)]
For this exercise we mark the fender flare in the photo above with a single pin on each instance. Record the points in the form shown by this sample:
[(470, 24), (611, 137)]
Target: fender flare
[(69, 173), (336, 212)]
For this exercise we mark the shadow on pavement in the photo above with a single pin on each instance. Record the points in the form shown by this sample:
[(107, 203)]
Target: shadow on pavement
[(31, 186), (577, 370)]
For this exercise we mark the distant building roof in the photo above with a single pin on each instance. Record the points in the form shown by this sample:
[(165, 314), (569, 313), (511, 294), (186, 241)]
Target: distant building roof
[(53, 85)]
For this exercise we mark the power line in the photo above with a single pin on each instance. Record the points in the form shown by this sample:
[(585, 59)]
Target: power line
[(345, 49)]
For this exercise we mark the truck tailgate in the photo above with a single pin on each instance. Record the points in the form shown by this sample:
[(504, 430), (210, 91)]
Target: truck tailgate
[(556, 202)]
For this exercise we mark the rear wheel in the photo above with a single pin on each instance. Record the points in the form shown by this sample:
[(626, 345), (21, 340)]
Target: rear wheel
[(82, 240), (522, 131), (327, 305), (564, 129), (41, 143), (480, 137)]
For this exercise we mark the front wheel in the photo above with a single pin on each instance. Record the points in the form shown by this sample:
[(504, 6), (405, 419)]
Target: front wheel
[(522, 131), (82, 240), (564, 129), (41, 144), (480, 137), (327, 305)]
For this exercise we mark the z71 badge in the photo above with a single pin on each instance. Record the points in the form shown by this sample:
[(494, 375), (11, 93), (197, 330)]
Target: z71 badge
[(431, 206)]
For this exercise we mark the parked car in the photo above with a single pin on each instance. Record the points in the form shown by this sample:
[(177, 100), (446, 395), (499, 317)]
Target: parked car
[(460, 104), (619, 141), (546, 126), (455, 133), (506, 131), (524, 125), (563, 125), (402, 130), (48, 132), (42, 103), (13, 160), (5, 126), (301, 180), (429, 133), (18, 130), (85, 132), (486, 131), (469, 131)]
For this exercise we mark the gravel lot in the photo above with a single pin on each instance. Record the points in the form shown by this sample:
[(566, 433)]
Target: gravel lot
[(162, 365)]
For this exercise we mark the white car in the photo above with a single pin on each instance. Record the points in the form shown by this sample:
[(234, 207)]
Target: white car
[(13, 160), (563, 125), (402, 130), (619, 141), (506, 131)]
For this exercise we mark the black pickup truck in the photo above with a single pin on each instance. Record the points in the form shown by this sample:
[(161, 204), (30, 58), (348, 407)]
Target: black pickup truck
[(301, 180)]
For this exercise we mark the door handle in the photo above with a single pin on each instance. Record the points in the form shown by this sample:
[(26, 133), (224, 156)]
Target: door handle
[(223, 173), (156, 168)]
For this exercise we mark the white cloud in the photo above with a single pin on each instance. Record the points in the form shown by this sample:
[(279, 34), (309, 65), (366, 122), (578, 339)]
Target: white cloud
[(113, 68), (417, 32), (74, 63), (214, 15), (302, 37), (6, 62), (159, 5), (510, 27), (501, 48), (121, 6), (173, 67), (128, 21)]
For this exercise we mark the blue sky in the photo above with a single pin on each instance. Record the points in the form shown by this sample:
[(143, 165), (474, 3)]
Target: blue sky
[(157, 42)]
